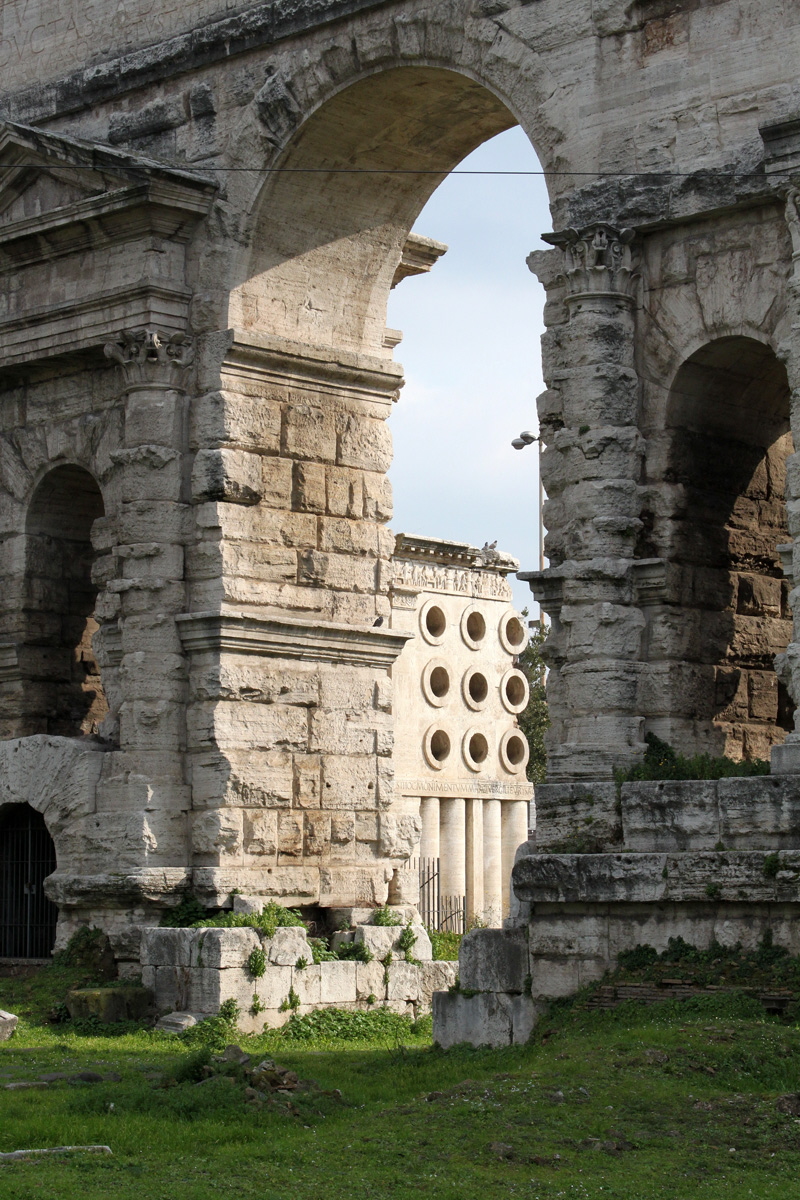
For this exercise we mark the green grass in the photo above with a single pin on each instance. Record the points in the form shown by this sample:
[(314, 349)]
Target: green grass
[(669, 1102)]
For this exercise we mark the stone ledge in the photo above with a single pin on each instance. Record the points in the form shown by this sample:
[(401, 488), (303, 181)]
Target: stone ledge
[(288, 637), (713, 877)]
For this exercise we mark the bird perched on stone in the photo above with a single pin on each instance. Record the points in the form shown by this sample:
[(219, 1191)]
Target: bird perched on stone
[(378, 621)]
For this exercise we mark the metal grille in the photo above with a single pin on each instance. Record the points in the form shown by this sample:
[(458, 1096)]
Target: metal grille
[(27, 857), (437, 911)]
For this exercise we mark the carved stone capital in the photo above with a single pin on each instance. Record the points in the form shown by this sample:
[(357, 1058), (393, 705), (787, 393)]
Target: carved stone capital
[(792, 211), (152, 359), (598, 260)]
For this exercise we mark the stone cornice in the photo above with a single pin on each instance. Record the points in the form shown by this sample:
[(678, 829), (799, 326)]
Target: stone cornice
[(213, 41), (122, 215), (281, 359), (290, 637), (61, 329)]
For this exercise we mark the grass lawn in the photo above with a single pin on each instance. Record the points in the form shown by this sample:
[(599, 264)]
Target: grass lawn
[(673, 1101)]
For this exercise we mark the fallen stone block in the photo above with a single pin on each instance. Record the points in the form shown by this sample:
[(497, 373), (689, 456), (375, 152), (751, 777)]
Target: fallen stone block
[(109, 1004), (8, 1023)]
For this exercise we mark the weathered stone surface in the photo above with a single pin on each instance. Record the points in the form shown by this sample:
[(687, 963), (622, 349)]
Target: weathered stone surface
[(383, 939), (494, 960), (487, 1019), (109, 1005), (8, 1023), (287, 946)]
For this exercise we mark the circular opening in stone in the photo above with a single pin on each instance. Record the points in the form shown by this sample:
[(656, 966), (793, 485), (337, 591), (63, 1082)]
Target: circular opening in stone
[(478, 687), (439, 682), (515, 750), (440, 745), (435, 621), (476, 627), (515, 631), (478, 748), (515, 690)]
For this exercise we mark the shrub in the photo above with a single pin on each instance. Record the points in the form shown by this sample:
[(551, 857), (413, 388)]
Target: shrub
[(186, 914), (273, 916), (445, 944), (383, 915), (661, 761)]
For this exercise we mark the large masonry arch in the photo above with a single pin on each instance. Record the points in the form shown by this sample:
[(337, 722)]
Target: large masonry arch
[(192, 307)]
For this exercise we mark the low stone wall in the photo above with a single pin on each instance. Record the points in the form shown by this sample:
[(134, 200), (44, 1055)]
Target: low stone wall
[(705, 861), (197, 970)]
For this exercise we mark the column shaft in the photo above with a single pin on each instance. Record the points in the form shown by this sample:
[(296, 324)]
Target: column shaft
[(452, 848), (429, 837), (492, 863), (475, 901)]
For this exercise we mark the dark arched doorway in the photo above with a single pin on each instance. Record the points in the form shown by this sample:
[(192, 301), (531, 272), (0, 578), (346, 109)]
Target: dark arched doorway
[(64, 694), (728, 428), (27, 857)]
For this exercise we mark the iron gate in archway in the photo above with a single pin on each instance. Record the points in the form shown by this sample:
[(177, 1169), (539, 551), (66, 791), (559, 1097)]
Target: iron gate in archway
[(27, 857)]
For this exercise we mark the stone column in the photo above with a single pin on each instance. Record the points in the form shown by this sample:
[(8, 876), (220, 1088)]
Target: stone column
[(429, 837), (514, 831), (475, 900), (591, 470), (786, 758), (492, 862), (452, 848)]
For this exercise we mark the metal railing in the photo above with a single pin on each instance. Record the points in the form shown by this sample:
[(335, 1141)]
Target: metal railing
[(437, 911)]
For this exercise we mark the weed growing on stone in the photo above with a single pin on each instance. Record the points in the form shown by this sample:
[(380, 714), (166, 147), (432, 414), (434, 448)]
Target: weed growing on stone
[(661, 761), (273, 916), (257, 963), (383, 915)]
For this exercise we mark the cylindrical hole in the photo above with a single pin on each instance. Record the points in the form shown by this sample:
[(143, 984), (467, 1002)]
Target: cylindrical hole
[(515, 631), (435, 621), (515, 751), (478, 687), (440, 745), (478, 748), (439, 682), (476, 627), (515, 690)]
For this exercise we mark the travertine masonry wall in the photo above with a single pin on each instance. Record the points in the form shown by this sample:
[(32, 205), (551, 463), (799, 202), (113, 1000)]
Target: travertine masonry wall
[(204, 334)]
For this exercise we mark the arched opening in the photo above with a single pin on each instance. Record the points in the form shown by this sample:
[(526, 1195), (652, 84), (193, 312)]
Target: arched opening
[(27, 857), (331, 224), (729, 419), (64, 692)]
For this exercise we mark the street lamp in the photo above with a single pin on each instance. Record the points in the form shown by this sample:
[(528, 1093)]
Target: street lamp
[(526, 438)]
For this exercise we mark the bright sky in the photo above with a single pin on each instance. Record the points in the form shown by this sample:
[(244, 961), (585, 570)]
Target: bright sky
[(471, 355)]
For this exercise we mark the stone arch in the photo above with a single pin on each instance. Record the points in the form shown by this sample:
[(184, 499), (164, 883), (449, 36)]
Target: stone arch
[(63, 692), (728, 440), (320, 258), (27, 857), (57, 777)]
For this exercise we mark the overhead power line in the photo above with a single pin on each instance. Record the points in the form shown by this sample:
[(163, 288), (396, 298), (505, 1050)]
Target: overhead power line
[(201, 170)]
